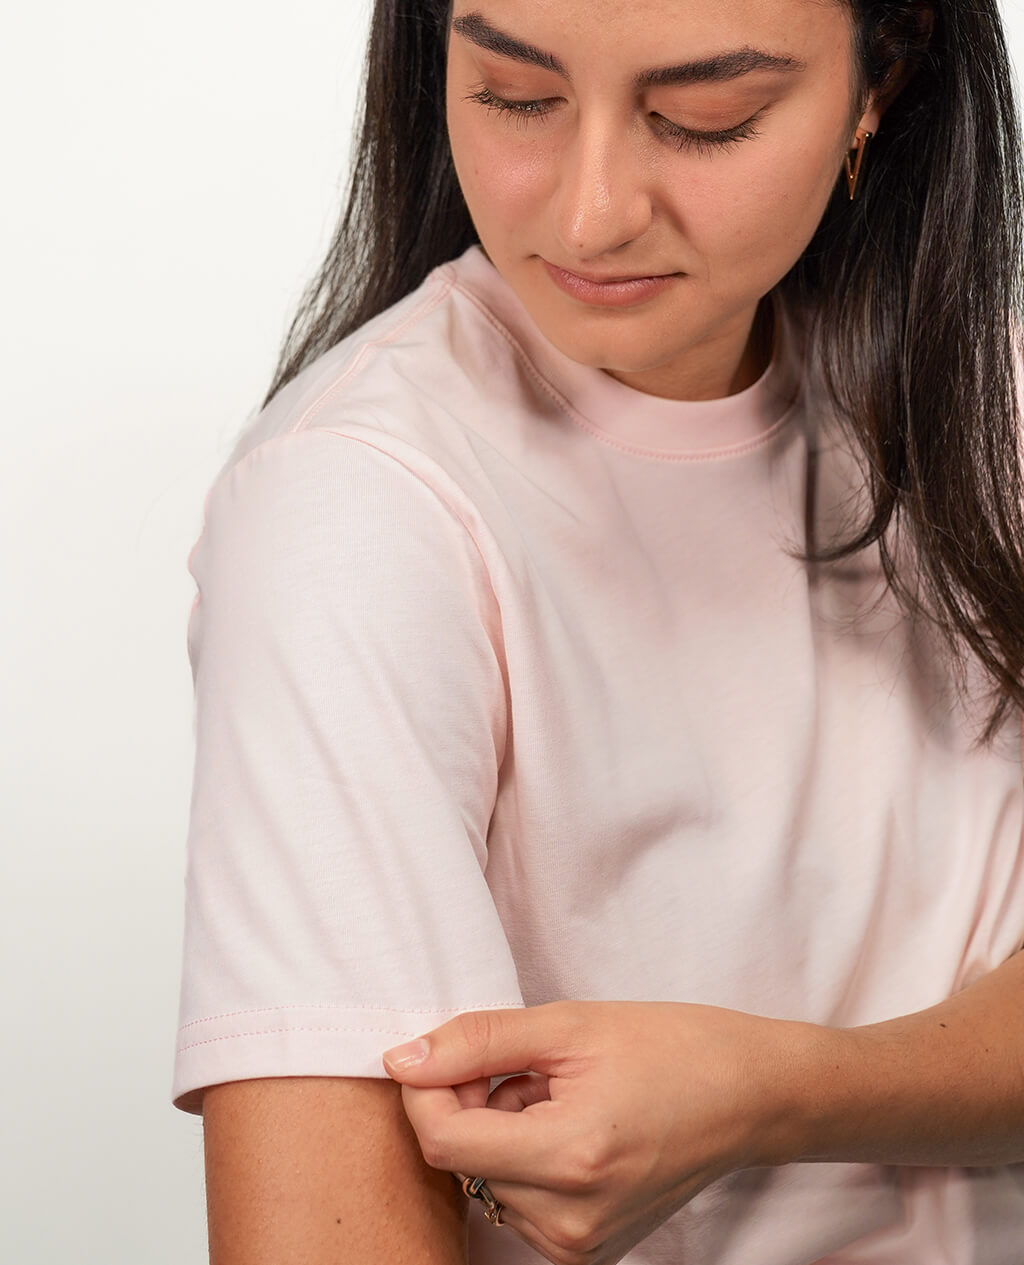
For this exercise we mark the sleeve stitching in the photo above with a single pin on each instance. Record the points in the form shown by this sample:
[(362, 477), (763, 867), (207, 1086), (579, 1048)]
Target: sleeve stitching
[(394, 1010), (270, 1032)]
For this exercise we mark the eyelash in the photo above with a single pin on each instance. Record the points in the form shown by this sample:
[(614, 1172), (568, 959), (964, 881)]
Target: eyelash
[(683, 137)]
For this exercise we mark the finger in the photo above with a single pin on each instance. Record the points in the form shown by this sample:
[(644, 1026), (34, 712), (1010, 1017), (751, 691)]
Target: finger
[(521, 1146), (510, 1195), (479, 1043), (473, 1093), (517, 1092), (515, 1198)]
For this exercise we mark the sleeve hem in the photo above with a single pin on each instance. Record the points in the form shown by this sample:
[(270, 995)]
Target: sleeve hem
[(297, 1041)]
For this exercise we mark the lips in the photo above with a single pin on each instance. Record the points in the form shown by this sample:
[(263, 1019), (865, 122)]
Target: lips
[(610, 291), (596, 280), (610, 281)]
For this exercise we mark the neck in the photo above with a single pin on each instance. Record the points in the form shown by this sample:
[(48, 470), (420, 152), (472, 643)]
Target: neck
[(758, 353), (712, 383)]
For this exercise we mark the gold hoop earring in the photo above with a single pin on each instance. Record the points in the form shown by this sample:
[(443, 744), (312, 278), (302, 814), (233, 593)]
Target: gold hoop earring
[(853, 169)]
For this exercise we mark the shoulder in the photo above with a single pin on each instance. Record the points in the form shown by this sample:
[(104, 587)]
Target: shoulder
[(354, 381), (416, 417), (418, 381)]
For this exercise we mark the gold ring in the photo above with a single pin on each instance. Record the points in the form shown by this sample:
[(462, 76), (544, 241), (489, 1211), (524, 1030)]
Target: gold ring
[(476, 1188)]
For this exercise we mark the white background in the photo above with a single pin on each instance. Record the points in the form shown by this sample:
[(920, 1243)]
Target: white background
[(173, 175)]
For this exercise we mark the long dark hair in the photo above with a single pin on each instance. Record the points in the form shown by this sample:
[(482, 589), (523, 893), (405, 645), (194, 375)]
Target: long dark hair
[(925, 270)]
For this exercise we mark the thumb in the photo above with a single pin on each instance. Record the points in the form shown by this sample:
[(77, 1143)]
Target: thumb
[(483, 1043)]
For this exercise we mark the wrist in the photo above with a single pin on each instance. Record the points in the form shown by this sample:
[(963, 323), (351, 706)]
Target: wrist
[(804, 1070)]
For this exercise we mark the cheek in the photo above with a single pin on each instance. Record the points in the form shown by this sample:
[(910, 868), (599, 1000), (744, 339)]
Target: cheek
[(762, 209), (500, 180)]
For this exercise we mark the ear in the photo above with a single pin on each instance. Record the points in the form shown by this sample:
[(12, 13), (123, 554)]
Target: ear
[(898, 75)]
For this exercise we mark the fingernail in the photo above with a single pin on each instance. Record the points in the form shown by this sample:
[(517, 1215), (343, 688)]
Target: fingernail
[(408, 1055)]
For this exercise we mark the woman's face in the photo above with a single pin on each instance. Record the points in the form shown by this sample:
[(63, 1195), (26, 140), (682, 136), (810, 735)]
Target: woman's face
[(605, 173)]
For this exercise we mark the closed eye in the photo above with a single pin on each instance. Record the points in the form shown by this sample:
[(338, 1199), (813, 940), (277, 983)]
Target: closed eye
[(682, 137)]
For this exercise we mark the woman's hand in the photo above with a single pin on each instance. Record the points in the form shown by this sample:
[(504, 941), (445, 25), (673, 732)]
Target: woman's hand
[(621, 1113)]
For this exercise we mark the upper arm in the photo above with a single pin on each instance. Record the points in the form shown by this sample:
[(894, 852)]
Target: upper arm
[(350, 722), (323, 1171)]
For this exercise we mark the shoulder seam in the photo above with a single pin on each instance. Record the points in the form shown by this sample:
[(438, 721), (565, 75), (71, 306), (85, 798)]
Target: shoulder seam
[(452, 509), (442, 285), (335, 432)]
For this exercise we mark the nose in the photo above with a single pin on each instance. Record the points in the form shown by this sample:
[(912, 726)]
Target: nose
[(603, 195)]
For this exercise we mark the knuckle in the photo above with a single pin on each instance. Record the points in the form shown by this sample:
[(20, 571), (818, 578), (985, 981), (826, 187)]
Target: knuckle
[(573, 1234), (436, 1153), (476, 1029), (576, 1029), (571, 1181), (584, 1165)]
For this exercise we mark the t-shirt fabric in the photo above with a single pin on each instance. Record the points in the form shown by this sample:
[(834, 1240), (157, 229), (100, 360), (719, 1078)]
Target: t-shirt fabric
[(509, 688)]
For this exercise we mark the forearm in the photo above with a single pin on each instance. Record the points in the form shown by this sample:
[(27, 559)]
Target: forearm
[(944, 1086)]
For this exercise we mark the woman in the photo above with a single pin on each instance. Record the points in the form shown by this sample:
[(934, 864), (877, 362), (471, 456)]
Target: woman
[(608, 661)]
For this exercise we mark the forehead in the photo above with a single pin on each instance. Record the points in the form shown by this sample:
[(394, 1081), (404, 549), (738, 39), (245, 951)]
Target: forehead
[(639, 34)]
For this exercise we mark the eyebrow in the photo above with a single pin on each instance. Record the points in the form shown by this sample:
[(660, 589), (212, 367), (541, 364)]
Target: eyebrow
[(719, 68)]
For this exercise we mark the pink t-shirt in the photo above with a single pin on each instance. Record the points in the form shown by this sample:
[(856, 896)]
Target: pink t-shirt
[(509, 689)]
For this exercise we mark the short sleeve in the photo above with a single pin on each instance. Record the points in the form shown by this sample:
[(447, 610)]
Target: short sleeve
[(350, 721)]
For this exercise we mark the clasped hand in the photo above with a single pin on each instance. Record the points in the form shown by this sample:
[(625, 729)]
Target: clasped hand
[(617, 1114)]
